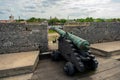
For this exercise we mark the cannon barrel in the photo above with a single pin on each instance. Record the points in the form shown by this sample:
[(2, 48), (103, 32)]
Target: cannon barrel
[(77, 41)]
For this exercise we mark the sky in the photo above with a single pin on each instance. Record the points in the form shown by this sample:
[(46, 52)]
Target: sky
[(59, 8)]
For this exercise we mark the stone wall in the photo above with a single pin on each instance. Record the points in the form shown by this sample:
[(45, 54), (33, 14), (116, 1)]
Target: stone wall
[(97, 32), (22, 37)]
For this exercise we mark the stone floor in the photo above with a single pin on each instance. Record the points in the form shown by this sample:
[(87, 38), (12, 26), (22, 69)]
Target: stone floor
[(19, 77), (106, 49), (109, 69), (107, 46)]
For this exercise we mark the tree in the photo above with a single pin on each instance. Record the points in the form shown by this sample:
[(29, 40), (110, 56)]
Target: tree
[(109, 20), (89, 19), (81, 20), (118, 19), (33, 19), (62, 21), (99, 20), (20, 20), (53, 21)]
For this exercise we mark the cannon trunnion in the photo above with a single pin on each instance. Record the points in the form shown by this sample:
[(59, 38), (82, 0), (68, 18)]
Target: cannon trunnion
[(78, 57)]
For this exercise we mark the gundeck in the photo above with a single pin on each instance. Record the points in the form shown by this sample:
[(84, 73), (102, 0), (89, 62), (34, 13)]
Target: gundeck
[(109, 69)]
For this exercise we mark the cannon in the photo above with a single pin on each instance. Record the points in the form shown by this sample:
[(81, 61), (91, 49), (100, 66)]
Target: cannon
[(75, 51)]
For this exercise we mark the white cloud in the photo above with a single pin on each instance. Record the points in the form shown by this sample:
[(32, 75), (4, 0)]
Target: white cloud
[(60, 8)]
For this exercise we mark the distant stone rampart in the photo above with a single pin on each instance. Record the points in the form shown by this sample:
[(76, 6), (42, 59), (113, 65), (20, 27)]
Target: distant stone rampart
[(96, 32)]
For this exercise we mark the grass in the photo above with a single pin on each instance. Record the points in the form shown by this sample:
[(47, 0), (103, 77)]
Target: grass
[(51, 31)]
